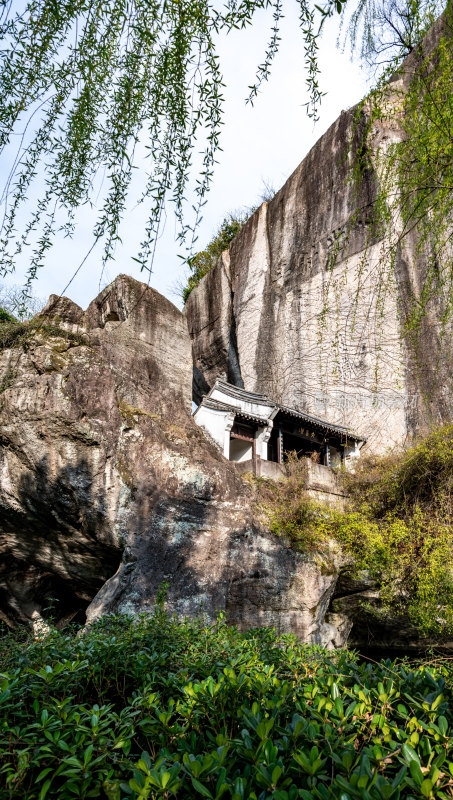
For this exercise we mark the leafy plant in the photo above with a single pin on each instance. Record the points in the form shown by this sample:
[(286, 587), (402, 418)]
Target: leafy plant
[(156, 708), (286, 507), (398, 526), (5, 316)]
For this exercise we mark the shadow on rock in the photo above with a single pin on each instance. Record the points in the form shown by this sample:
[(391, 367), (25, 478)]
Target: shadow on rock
[(56, 543)]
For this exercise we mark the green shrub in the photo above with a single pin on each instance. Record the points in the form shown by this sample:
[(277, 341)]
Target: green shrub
[(421, 475), (201, 263), (5, 316), (398, 526), (158, 708), (286, 508)]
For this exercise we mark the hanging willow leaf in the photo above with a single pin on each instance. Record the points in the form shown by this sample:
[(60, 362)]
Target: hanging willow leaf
[(87, 84)]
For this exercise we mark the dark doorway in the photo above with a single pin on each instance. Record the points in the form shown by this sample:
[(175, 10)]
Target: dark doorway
[(299, 445)]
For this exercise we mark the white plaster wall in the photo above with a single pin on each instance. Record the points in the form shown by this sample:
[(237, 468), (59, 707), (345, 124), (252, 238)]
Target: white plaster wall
[(262, 438), (240, 450), (214, 422)]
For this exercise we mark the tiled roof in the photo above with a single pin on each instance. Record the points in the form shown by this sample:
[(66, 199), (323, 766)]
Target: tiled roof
[(261, 399), (208, 402), (319, 423)]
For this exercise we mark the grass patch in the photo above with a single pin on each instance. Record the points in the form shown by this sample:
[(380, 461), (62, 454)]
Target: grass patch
[(17, 334), (155, 708)]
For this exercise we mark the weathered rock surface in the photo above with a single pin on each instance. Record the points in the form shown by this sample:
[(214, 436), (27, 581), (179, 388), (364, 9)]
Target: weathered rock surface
[(278, 314), (108, 488)]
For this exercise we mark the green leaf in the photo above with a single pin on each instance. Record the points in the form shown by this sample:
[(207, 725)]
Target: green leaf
[(203, 790), (45, 789), (426, 787), (43, 774), (443, 725), (409, 754), (112, 790), (437, 702), (276, 774), (416, 773)]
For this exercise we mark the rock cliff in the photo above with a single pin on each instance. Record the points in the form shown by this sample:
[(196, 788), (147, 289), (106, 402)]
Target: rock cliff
[(278, 313), (108, 488)]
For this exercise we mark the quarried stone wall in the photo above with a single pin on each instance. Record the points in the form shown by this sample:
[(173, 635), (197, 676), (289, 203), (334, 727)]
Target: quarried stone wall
[(300, 297)]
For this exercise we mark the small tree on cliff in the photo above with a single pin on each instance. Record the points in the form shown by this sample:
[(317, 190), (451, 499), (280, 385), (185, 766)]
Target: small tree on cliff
[(201, 263)]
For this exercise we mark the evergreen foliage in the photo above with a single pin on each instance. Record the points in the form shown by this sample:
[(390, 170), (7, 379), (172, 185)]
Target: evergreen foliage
[(155, 708)]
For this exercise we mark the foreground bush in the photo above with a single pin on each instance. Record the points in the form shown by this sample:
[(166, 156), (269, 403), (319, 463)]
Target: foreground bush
[(157, 708)]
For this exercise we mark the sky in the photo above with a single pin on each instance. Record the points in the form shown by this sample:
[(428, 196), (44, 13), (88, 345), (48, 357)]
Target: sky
[(262, 145)]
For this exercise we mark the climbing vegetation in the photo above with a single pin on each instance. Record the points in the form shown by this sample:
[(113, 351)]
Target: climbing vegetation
[(401, 178), (158, 708), (398, 525)]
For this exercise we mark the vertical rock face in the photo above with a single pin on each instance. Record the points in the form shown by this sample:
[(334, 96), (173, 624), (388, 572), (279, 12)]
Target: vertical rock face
[(109, 489), (300, 294)]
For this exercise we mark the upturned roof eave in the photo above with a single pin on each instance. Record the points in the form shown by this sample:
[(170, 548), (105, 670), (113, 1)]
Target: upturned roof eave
[(277, 408)]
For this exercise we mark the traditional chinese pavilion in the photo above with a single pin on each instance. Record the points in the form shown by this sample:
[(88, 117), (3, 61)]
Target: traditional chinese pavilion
[(250, 427)]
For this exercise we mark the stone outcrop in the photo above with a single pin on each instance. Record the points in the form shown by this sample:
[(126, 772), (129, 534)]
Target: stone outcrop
[(108, 489), (278, 313)]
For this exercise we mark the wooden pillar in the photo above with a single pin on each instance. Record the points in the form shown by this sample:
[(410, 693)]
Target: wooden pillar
[(280, 446)]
